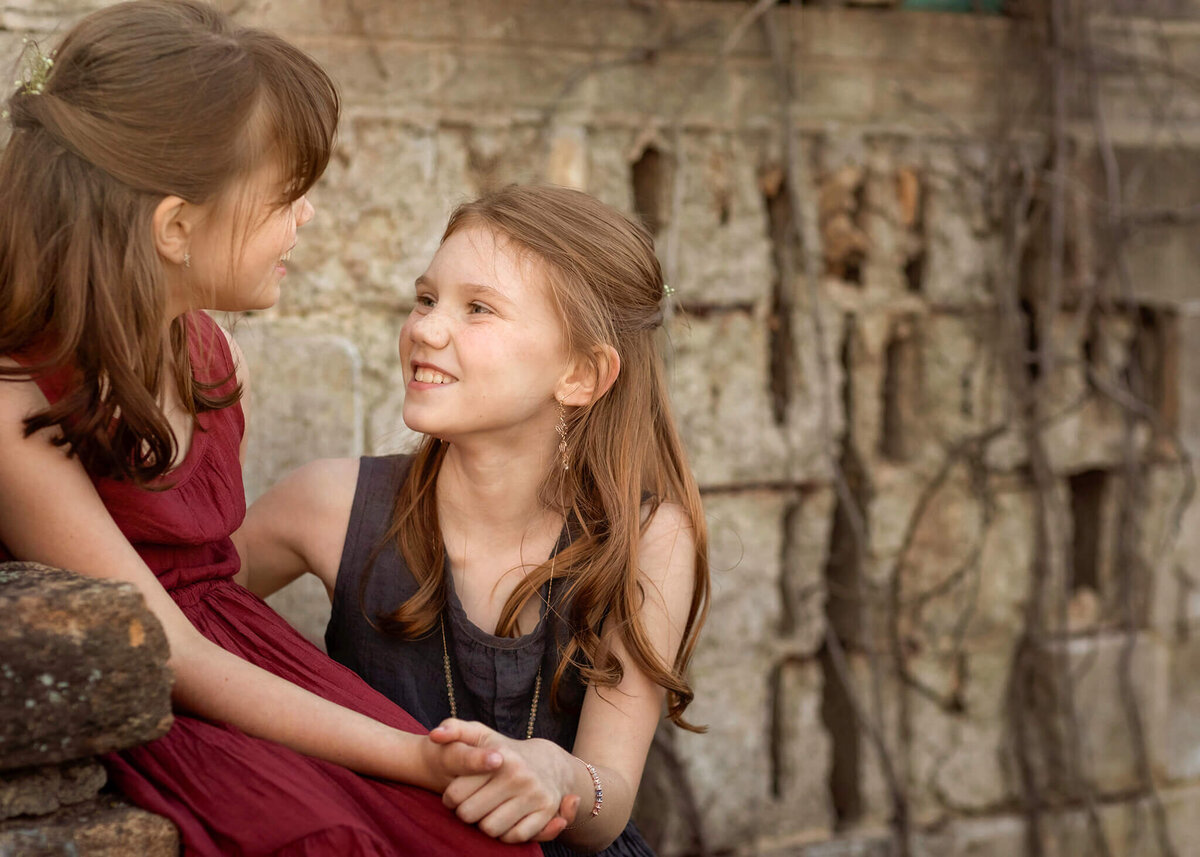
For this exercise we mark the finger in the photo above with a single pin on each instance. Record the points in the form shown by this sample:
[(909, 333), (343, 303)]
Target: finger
[(462, 788), (515, 820), (512, 801), (532, 827), (467, 731), (446, 731), (568, 808), (474, 807), (463, 760), (556, 825), (553, 828)]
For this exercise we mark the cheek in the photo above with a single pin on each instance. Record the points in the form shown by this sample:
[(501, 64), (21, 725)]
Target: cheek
[(404, 341)]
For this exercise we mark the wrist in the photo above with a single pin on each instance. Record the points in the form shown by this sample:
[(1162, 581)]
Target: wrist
[(591, 798), (416, 762)]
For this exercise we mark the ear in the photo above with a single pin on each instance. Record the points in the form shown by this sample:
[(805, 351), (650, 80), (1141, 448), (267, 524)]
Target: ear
[(589, 378), (173, 223)]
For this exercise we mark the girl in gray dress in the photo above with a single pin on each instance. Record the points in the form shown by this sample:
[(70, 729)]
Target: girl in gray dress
[(534, 576)]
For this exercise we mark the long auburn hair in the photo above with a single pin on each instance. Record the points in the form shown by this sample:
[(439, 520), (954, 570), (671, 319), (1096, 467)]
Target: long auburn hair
[(144, 99), (625, 452)]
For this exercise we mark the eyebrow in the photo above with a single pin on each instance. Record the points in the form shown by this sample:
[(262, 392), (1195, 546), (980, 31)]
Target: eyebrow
[(477, 288)]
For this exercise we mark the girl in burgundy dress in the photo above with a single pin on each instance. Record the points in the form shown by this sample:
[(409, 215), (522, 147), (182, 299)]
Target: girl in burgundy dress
[(538, 567), (158, 166)]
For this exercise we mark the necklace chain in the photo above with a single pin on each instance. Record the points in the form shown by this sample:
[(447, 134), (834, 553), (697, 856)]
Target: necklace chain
[(537, 682)]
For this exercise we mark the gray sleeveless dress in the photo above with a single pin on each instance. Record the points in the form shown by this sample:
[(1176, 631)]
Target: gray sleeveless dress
[(493, 676)]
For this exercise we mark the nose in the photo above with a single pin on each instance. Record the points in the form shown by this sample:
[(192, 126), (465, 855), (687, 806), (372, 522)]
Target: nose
[(428, 327), (304, 210)]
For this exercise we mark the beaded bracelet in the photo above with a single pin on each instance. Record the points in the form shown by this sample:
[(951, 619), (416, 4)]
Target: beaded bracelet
[(599, 798)]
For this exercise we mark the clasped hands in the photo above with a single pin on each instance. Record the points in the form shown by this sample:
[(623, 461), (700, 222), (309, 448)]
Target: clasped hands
[(525, 792)]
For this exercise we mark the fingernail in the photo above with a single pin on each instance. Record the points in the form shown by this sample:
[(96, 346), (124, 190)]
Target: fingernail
[(494, 759)]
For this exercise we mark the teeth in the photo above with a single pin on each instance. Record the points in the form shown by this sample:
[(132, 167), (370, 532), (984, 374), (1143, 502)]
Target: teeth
[(429, 376), (286, 255)]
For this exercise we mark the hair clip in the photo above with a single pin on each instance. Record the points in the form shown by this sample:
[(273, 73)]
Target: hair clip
[(668, 290), (38, 67)]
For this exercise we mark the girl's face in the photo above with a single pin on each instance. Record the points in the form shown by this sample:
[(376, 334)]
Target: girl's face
[(482, 351), (239, 250)]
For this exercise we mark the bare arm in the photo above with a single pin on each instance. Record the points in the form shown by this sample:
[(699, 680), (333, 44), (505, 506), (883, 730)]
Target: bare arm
[(298, 527), (51, 513), (616, 724)]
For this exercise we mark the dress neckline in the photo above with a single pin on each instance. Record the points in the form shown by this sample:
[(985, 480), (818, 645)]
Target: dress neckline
[(459, 619)]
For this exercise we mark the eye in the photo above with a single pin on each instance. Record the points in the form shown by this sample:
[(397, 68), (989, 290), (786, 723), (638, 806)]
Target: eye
[(426, 301), (476, 308)]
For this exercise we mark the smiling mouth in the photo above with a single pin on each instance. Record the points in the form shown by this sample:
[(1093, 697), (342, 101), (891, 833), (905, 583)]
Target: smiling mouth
[(426, 375)]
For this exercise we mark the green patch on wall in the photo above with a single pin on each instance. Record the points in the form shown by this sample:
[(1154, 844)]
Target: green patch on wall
[(991, 7)]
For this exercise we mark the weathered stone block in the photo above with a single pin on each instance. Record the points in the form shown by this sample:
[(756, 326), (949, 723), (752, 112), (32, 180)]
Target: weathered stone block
[(836, 92), (724, 257), (800, 799), (1187, 382), (719, 389), (1160, 257), (995, 836), (381, 208), (962, 251), (83, 667), (1181, 757), (807, 528), (1103, 674), (967, 568), (1129, 828), (43, 15), (611, 153), (964, 392), (105, 827), (814, 411), (310, 384), (729, 768), (39, 791), (1182, 809), (746, 537), (944, 739), (866, 844)]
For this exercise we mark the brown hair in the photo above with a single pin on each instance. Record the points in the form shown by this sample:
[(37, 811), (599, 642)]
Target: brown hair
[(144, 100), (626, 455)]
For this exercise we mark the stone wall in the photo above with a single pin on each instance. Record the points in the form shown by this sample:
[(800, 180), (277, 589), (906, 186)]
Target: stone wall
[(927, 635), (83, 672)]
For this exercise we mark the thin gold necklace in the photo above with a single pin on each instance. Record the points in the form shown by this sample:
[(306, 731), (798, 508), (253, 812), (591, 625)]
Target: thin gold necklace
[(537, 682)]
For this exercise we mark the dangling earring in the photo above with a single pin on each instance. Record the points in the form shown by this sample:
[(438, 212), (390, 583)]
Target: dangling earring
[(187, 260), (561, 429)]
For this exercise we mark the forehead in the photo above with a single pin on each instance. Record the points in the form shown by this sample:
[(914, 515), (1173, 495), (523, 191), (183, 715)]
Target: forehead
[(481, 255)]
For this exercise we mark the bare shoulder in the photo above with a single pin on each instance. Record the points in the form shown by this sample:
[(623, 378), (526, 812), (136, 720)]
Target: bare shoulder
[(299, 525), (323, 486), (19, 398), (669, 523), (668, 546)]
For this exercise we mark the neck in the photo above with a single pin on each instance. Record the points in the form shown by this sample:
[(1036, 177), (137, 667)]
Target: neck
[(494, 489)]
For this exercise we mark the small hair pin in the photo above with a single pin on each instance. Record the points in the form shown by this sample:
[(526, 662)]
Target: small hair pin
[(38, 67), (668, 290)]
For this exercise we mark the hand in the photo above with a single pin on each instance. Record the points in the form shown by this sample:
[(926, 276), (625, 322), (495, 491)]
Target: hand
[(449, 761), (528, 797)]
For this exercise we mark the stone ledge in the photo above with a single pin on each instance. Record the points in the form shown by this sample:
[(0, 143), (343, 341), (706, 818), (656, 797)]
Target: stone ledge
[(39, 791), (84, 667), (104, 827), (83, 671)]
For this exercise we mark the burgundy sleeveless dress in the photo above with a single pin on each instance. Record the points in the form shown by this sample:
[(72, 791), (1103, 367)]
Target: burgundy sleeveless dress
[(229, 793)]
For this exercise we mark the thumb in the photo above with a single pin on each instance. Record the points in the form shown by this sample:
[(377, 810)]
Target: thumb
[(466, 731)]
